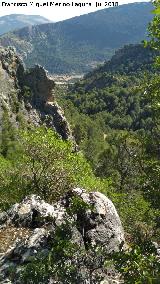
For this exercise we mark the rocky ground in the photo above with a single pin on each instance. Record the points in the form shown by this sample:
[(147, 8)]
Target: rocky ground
[(27, 228)]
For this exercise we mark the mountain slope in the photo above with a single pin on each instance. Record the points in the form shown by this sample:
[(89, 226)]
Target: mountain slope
[(110, 102), (130, 61), (17, 21), (74, 45), (112, 92)]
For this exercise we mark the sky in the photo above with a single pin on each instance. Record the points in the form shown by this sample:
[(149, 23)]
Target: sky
[(54, 13)]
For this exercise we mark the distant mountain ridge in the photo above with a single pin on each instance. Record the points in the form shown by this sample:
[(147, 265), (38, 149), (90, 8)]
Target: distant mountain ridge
[(73, 45), (17, 21)]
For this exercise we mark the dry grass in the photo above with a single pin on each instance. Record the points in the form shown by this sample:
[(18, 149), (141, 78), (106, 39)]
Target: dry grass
[(9, 235)]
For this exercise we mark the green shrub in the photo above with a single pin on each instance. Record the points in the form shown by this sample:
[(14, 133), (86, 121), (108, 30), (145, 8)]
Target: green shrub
[(44, 164)]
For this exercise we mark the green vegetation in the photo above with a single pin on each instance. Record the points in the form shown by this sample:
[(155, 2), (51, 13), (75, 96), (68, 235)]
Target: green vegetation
[(113, 122), (41, 163), (8, 134), (138, 264), (111, 102)]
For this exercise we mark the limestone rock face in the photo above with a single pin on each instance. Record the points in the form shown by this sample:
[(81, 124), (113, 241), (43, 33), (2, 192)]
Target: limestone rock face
[(28, 94), (29, 227)]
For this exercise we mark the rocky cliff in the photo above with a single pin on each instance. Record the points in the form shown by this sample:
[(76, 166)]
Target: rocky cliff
[(28, 95), (32, 228)]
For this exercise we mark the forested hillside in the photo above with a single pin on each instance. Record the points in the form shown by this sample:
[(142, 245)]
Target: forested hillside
[(113, 121), (113, 93), (78, 44)]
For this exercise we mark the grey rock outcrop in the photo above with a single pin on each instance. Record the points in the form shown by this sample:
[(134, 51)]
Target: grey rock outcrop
[(29, 228), (28, 94), (40, 84), (101, 224)]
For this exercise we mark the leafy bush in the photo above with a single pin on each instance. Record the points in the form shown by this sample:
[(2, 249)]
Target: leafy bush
[(137, 266), (46, 165)]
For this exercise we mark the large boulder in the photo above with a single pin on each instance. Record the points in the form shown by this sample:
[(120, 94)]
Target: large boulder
[(100, 223), (29, 227)]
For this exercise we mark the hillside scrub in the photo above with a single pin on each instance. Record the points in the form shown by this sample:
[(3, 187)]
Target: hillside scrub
[(44, 164)]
